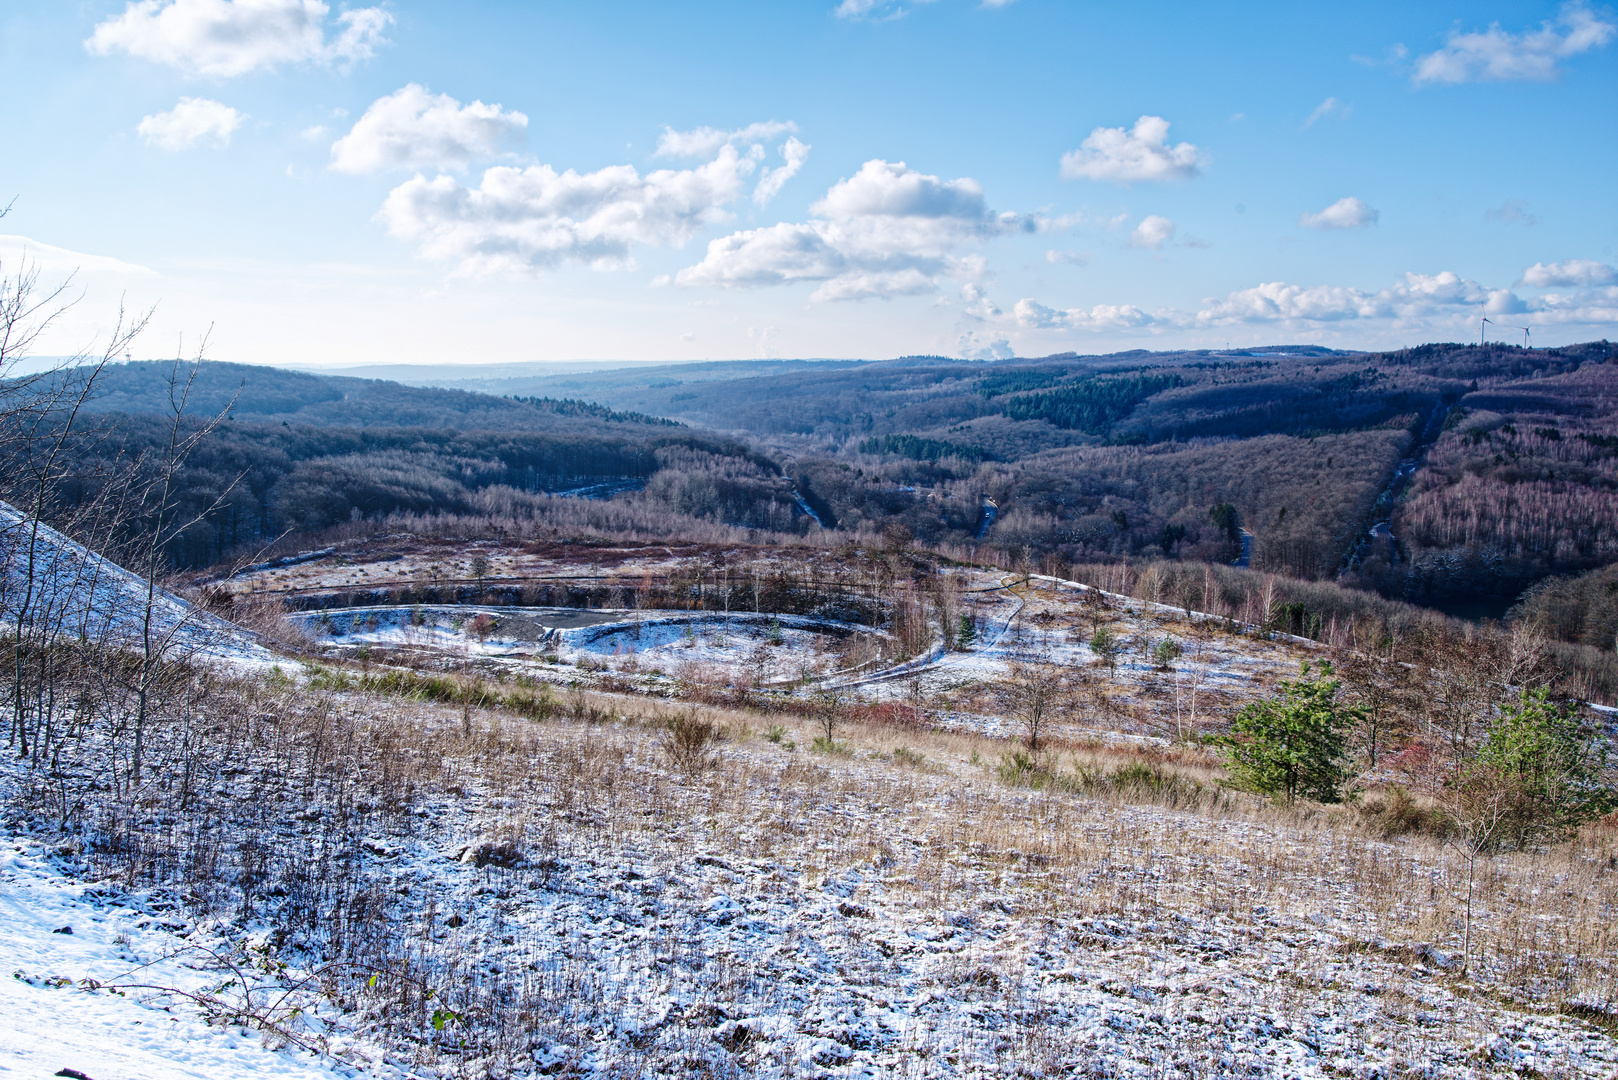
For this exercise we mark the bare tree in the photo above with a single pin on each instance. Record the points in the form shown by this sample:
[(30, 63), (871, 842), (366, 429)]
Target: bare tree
[(1382, 688), (1035, 693), (828, 709), (39, 414), (1189, 679), (1480, 806), (158, 639)]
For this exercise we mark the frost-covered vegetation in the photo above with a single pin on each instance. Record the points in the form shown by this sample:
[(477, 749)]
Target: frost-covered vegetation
[(832, 753)]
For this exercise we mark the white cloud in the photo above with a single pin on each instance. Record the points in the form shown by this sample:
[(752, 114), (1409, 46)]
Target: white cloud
[(893, 190), (1276, 301), (1423, 302), (53, 260), (1140, 154), (998, 3), (190, 122), (773, 180), (975, 299), (1511, 210), (886, 231), (1416, 304), (774, 255), (704, 142), (1032, 315), (1576, 273), (1346, 213), (1493, 55), (1504, 302), (972, 347), (522, 220), (314, 133), (1330, 107), (875, 10), (765, 336), (1077, 258), (1152, 232), (413, 129), (223, 38)]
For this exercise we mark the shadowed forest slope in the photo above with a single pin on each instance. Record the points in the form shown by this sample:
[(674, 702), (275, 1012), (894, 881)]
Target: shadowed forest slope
[(1422, 473)]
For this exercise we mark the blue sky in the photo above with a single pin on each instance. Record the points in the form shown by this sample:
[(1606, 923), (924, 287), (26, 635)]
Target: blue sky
[(444, 183)]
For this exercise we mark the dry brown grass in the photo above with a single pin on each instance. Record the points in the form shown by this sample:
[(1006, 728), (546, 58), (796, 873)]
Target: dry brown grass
[(253, 802), (1183, 846)]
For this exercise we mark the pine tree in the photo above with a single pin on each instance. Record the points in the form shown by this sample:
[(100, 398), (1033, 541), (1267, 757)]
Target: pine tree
[(968, 635), (1294, 744)]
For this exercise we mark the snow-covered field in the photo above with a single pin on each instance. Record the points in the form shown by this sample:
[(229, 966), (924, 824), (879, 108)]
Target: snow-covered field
[(744, 647), (1033, 620), (892, 909), (59, 937), (444, 891)]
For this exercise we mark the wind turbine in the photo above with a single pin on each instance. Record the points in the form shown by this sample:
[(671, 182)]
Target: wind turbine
[(1481, 325), (1525, 332)]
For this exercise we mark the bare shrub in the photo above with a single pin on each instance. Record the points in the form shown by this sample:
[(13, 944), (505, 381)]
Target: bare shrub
[(690, 741)]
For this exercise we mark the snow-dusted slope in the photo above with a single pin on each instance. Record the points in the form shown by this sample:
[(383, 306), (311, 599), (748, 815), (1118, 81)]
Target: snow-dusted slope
[(54, 1021), (61, 588)]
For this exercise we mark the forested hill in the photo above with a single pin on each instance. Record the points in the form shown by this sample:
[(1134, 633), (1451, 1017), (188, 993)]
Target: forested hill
[(299, 453), (1428, 473), (265, 393)]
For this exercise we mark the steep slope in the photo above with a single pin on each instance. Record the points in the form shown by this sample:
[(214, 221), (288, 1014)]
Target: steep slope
[(54, 586)]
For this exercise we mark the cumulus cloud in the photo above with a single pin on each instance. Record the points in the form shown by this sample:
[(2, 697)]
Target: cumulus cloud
[(886, 231), (1429, 300), (1415, 296), (971, 346), (704, 142), (1574, 273), (1346, 213), (1032, 315), (1330, 107), (192, 121), (1140, 154), (773, 180), (1493, 55), (523, 220), (1422, 303), (413, 129), (976, 302), (224, 38), (1152, 232)]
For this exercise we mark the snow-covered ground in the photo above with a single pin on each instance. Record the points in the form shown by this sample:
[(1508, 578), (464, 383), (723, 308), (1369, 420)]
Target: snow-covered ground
[(743, 647), (60, 937), (794, 914), (884, 905), (1039, 619), (50, 580)]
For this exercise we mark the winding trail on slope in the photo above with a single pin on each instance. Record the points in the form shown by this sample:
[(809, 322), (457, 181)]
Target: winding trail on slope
[(937, 656), (1381, 527)]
